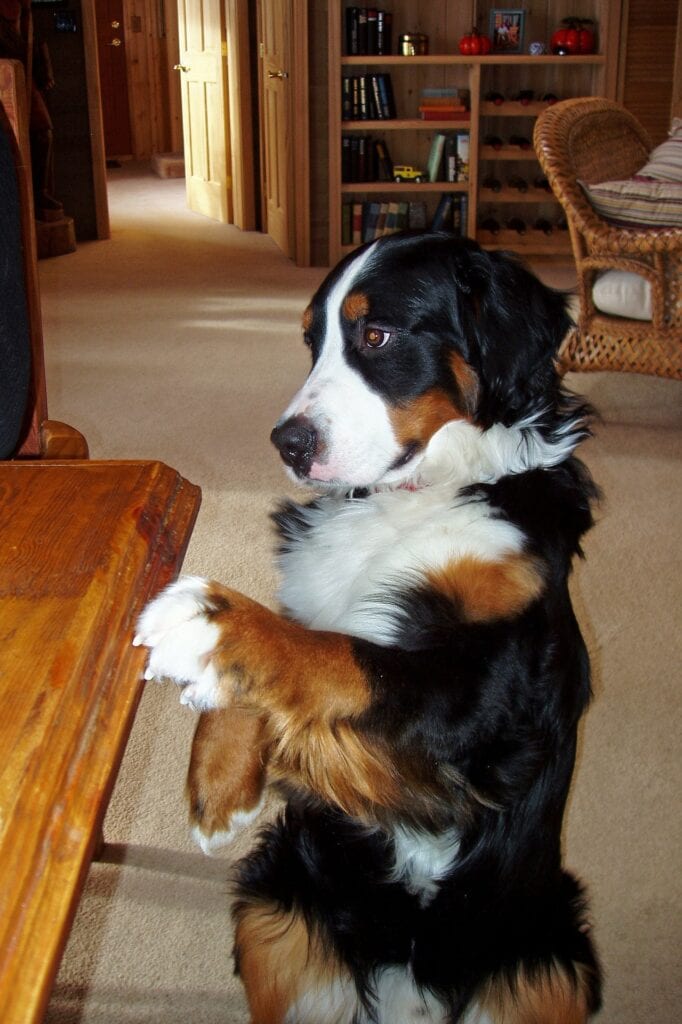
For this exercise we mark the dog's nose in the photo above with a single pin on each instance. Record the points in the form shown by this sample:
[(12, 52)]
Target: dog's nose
[(296, 440)]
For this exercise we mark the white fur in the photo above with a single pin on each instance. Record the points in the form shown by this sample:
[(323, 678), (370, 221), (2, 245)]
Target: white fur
[(399, 1000), (351, 420), (181, 641), (358, 550), (238, 821), (422, 859)]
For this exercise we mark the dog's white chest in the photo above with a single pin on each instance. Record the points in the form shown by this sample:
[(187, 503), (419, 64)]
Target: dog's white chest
[(344, 572)]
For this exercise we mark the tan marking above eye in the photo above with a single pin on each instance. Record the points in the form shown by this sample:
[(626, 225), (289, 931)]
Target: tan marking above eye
[(355, 306), (307, 320)]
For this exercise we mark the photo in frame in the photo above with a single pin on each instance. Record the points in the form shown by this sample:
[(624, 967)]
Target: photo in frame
[(506, 29)]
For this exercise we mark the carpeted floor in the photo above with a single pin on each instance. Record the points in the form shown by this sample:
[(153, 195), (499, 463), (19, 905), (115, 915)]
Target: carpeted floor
[(179, 340)]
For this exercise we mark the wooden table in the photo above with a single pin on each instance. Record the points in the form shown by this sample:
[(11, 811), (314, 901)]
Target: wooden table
[(83, 545)]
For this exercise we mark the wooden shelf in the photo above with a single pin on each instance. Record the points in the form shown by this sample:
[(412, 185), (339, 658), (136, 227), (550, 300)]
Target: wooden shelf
[(512, 195), (507, 153), (404, 186), (512, 108), (536, 242), (408, 138), (438, 59), (399, 124)]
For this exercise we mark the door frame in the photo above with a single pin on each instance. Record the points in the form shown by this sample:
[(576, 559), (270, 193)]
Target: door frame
[(298, 197)]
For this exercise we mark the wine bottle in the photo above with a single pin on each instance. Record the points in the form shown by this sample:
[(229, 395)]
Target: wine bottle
[(516, 224), (542, 224), (491, 225), (520, 140), (493, 140), (518, 182), (492, 183)]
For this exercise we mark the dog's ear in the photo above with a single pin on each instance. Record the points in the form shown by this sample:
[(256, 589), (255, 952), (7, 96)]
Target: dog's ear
[(513, 325)]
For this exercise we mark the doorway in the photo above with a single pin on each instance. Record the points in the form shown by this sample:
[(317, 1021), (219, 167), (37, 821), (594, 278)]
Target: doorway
[(113, 76)]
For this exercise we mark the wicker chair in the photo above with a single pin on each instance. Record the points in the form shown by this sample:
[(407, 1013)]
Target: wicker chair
[(598, 140)]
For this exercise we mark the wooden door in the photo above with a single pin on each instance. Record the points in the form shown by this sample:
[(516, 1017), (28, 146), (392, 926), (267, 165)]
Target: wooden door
[(203, 65), (276, 127), (111, 46)]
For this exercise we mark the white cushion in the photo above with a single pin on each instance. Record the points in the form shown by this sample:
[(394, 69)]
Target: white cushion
[(620, 293)]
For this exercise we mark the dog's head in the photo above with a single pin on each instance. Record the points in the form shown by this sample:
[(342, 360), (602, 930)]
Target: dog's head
[(408, 334)]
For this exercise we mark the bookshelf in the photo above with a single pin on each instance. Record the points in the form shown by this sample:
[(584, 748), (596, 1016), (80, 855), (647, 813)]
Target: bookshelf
[(409, 138)]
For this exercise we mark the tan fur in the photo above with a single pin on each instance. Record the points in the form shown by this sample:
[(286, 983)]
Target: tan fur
[(485, 591), (467, 381), (547, 998), (312, 690), (421, 418), (307, 318), (355, 306), (279, 961), (227, 767)]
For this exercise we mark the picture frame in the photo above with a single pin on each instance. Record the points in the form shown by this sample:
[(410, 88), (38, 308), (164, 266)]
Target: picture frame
[(506, 29)]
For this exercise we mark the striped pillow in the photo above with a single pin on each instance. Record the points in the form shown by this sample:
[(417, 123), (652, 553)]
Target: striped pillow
[(665, 162), (636, 203)]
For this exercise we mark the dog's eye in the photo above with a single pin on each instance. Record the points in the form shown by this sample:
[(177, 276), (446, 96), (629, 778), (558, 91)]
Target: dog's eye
[(375, 337), (307, 340)]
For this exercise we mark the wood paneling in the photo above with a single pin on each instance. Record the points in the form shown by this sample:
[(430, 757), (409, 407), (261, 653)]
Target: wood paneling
[(648, 60)]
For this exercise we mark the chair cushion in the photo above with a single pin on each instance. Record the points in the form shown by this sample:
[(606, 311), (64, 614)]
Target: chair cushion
[(636, 203), (665, 162), (620, 293)]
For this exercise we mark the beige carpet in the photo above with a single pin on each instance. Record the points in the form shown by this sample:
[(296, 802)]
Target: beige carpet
[(179, 340)]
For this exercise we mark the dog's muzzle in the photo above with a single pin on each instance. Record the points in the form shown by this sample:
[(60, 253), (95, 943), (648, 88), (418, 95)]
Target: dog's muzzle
[(296, 441)]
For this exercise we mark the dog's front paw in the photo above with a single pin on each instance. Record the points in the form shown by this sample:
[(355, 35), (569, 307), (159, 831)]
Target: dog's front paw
[(177, 629)]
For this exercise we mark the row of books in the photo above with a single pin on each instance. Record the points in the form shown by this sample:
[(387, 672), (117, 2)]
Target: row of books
[(366, 221), (444, 104), (364, 158), (367, 97), (448, 158), (368, 31)]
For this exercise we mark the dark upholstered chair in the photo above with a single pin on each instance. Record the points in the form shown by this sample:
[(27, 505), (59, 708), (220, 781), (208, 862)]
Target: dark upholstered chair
[(25, 430)]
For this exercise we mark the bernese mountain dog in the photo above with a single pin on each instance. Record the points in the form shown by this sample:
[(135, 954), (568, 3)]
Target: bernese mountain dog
[(417, 698)]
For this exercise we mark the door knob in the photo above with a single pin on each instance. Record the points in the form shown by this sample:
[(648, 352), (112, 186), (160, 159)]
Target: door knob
[(181, 67), (115, 42), (278, 74)]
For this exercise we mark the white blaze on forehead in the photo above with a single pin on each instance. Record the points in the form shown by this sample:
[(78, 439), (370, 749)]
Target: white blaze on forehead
[(357, 443)]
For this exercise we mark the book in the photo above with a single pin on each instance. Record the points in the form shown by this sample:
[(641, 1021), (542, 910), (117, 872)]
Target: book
[(352, 20), (392, 218), (386, 92), (370, 220), (377, 110), (462, 144), (450, 157), (434, 163), (346, 224), (372, 17), (416, 215), (362, 30), (384, 26), (356, 234), (346, 98), (364, 101), (383, 160), (442, 218), (381, 223)]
